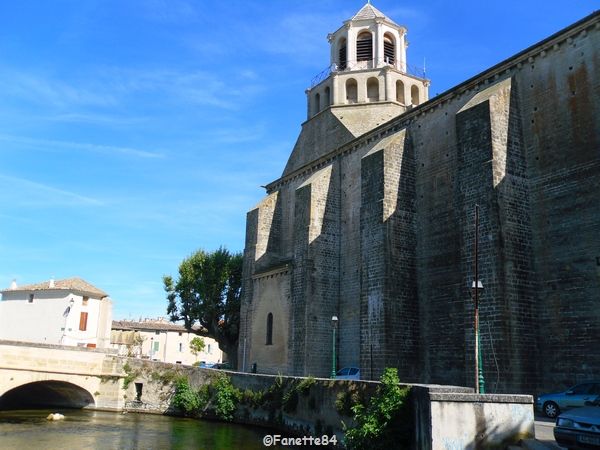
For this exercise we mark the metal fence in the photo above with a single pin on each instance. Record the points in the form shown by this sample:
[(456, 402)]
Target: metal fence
[(415, 71)]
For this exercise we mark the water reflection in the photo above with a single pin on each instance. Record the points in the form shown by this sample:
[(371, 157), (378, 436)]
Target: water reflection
[(83, 429)]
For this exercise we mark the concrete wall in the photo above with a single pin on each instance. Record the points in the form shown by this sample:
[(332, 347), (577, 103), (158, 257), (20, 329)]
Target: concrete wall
[(461, 420)]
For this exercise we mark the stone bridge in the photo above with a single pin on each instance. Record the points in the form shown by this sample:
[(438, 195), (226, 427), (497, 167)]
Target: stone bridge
[(62, 376)]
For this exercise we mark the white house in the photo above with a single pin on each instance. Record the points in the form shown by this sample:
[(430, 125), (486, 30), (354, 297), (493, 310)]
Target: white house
[(63, 312), (161, 340)]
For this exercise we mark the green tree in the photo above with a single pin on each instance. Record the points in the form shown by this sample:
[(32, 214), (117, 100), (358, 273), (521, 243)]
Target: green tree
[(207, 293), (197, 345)]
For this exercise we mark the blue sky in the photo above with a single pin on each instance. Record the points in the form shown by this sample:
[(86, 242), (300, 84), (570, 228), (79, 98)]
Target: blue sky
[(134, 132)]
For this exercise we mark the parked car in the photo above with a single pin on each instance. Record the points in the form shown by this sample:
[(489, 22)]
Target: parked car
[(553, 404), (222, 365), (348, 373), (580, 427)]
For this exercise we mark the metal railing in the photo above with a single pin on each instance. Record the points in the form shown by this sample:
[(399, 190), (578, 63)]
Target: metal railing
[(415, 71)]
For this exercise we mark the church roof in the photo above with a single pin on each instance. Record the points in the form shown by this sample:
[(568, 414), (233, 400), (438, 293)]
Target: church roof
[(370, 12), (70, 284)]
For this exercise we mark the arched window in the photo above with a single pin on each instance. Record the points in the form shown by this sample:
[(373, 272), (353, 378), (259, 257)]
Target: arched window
[(327, 97), (364, 46), (351, 91), (317, 106), (270, 329), (389, 49), (414, 94), (400, 98), (342, 54), (373, 90)]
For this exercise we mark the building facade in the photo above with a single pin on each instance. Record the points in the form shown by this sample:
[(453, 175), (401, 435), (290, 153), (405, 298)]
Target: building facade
[(61, 312), (372, 220), (161, 340)]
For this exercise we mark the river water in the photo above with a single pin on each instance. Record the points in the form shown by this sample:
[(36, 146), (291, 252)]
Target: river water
[(84, 429)]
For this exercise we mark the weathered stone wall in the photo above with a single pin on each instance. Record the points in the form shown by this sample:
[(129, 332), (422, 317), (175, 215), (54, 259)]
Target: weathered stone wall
[(396, 233), (389, 319)]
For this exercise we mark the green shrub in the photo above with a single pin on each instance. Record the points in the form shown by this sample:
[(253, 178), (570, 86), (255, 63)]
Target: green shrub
[(130, 375), (343, 403), (226, 397), (305, 385), (185, 398), (386, 421)]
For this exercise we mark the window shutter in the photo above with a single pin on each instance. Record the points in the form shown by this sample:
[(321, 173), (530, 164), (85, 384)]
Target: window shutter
[(83, 321)]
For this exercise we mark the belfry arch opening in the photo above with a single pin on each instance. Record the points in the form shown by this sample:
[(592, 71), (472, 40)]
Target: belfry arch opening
[(351, 91), (389, 49), (414, 95), (400, 97), (364, 46), (44, 394), (342, 54), (372, 89)]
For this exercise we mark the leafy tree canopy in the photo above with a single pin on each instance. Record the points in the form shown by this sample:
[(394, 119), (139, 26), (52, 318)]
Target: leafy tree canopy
[(207, 293), (197, 345)]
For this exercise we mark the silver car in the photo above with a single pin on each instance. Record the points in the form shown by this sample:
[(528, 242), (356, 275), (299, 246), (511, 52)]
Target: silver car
[(348, 373), (553, 404), (580, 427)]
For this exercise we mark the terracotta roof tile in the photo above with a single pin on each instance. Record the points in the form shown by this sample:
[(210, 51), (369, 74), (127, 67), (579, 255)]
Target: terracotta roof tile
[(74, 284)]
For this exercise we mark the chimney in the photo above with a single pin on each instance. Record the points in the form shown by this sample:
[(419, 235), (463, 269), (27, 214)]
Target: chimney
[(51, 283), (13, 285)]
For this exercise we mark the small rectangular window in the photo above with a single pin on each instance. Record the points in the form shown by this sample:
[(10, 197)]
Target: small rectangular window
[(157, 332), (180, 333), (155, 347), (208, 349), (84, 302), (83, 321), (30, 298), (180, 347)]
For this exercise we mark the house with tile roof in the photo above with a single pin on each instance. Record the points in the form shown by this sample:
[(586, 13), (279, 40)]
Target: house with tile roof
[(161, 340), (62, 312)]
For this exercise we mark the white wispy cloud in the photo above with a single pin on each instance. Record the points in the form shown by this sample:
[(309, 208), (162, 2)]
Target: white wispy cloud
[(49, 91), (84, 146), (97, 95), (27, 192), (296, 37), (94, 118)]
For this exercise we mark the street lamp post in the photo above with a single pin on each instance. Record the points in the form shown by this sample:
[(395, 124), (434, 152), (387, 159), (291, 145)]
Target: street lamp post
[(334, 321), (476, 288)]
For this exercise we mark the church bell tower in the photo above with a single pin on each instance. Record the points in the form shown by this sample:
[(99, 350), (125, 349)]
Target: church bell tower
[(367, 66)]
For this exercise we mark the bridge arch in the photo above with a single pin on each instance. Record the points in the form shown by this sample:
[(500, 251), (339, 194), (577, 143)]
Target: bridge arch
[(47, 393)]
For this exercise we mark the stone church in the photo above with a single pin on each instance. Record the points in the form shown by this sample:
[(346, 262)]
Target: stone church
[(372, 219)]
